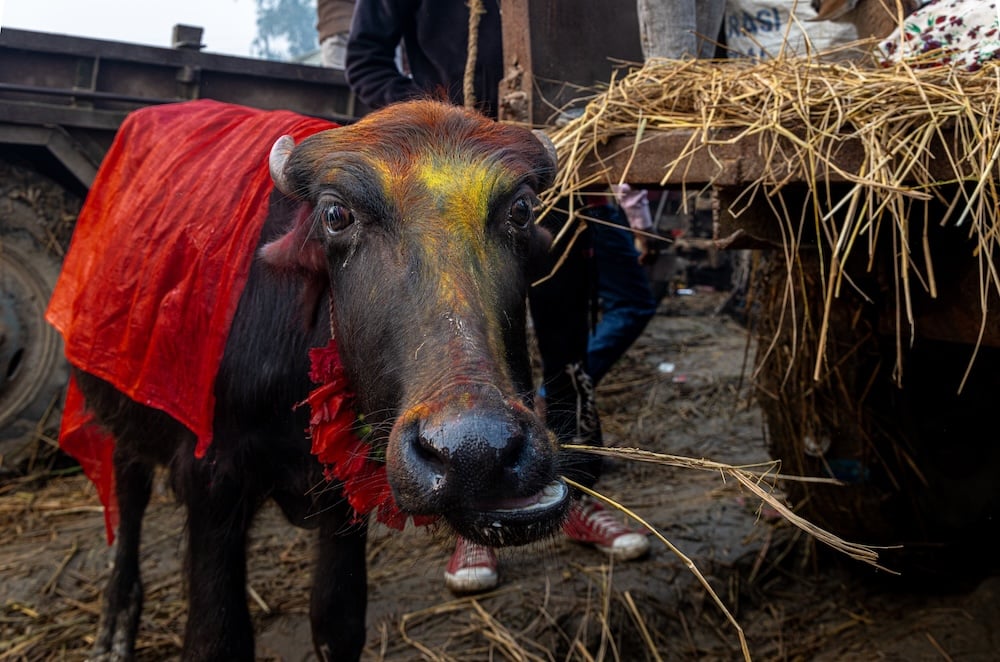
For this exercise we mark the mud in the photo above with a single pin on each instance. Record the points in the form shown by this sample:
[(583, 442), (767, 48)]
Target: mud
[(683, 390)]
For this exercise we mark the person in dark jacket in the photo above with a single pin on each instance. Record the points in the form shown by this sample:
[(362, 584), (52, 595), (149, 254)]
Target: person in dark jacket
[(435, 35), (435, 40)]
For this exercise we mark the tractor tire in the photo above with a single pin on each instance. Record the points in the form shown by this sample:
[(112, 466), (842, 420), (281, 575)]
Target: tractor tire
[(36, 221)]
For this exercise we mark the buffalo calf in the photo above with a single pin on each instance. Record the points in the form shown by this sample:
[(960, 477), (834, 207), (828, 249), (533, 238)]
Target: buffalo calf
[(409, 237)]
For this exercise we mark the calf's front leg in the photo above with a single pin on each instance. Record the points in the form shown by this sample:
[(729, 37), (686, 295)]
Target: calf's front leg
[(340, 591), (219, 518)]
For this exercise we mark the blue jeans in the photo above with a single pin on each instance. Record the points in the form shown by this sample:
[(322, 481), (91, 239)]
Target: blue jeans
[(625, 297)]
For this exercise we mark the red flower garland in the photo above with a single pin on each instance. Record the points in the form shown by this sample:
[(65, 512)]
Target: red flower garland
[(342, 446)]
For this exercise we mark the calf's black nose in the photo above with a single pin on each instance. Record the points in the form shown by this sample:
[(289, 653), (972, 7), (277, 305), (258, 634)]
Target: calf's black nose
[(455, 462)]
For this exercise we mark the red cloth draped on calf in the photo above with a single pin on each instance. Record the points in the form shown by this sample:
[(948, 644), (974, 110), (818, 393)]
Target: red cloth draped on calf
[(192, 177)]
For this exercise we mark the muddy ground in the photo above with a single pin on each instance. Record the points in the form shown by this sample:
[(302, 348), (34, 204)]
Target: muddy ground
[(557, 600)]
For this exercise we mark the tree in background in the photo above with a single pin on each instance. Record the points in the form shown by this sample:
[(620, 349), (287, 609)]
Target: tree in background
[(286, 29)]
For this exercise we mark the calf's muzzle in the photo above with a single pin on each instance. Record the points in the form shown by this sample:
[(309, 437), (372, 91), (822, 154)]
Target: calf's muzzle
[(487, 467)]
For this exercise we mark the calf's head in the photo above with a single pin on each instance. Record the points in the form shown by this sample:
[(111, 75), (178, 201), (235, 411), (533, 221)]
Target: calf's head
[(420, 220)]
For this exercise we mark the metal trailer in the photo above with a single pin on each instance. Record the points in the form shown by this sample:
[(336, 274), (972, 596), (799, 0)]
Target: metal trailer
[(61, 100)]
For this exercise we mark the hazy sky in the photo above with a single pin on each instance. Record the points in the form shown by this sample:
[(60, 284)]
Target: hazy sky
[(230, 25)]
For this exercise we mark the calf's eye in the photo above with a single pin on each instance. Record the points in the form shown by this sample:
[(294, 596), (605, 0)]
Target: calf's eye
[(335, 218), (521, 212)]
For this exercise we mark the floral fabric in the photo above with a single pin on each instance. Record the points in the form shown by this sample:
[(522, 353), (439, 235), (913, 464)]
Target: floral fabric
[(960, 33)]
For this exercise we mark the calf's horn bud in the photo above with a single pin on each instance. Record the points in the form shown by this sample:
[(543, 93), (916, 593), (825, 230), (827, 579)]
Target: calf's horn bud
[(276, 161)]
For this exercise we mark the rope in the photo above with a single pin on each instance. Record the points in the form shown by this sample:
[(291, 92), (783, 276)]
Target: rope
[(333, 329), (468, 88)]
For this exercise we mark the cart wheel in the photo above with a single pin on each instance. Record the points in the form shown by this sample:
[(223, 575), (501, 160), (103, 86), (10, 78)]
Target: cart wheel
[(36, 217)]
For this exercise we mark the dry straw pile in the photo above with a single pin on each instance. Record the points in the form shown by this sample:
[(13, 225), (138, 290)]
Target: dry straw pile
[(919, 129)]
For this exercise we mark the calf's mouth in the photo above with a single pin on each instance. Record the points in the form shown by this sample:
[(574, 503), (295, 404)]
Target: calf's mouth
[(514, 521), (489, 471)]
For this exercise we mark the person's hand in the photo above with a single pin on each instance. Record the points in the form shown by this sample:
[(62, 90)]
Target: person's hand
[(647, 251)]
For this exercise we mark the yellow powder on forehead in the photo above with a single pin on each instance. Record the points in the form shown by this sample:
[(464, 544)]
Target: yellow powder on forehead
[(460, 193), (461, 189)]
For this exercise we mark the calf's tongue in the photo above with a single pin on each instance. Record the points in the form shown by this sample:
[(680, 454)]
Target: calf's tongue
[(548, 496)]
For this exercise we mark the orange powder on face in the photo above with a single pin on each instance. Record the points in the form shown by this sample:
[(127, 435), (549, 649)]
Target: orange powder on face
[(416, 413)]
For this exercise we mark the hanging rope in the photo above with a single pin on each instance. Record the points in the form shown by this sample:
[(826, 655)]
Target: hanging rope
[(468, 87)]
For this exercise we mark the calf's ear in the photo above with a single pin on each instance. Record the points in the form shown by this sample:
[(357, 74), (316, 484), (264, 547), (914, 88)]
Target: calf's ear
[(298, 253), (296, 250), (539, 259), (538, 253)]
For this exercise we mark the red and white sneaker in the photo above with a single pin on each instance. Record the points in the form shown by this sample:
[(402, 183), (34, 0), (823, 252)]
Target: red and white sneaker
[(589, 522), (472, 568)]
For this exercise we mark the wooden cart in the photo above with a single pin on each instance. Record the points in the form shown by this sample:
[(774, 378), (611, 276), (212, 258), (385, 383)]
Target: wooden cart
[(887, 406)]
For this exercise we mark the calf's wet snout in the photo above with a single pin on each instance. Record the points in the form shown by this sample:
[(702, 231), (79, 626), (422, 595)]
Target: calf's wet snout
[(488, 471)]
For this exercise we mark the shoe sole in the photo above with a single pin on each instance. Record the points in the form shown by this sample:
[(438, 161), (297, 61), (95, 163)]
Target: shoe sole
[(471, 583)]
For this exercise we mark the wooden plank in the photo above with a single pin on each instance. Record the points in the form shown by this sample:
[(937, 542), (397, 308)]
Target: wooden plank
[(555, 49), (728, 158), (516, 95)]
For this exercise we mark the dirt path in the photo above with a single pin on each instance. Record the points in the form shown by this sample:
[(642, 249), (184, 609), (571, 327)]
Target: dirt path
[(557, 600)]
